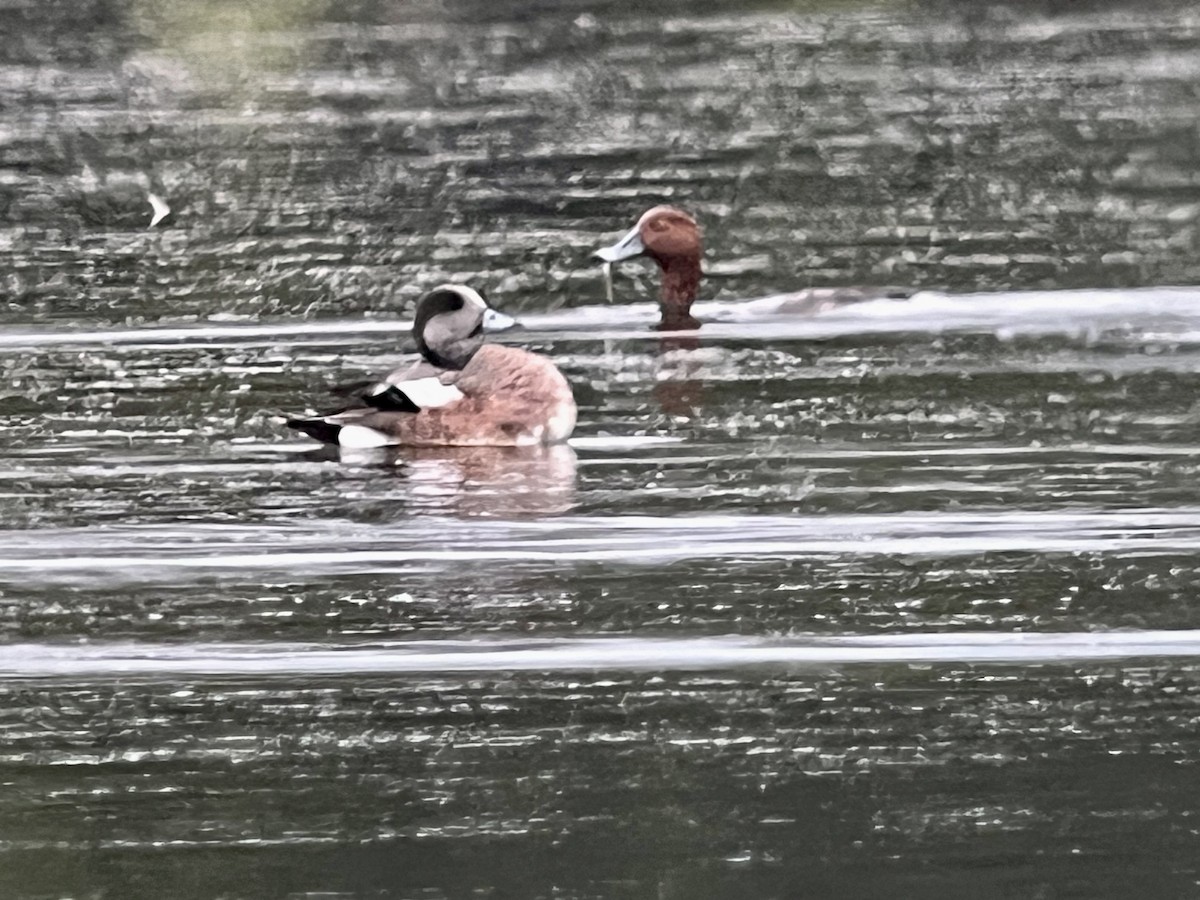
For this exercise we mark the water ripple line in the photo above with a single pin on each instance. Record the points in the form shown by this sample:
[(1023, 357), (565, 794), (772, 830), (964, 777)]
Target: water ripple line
[(596, 654)]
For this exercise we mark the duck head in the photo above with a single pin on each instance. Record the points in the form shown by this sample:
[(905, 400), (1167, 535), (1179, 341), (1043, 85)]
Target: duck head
[(670, 237), (450, 323)]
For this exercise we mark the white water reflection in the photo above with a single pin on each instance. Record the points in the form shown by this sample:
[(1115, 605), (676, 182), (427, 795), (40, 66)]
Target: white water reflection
[(1156, 313), (1086, 313), (207, 334), (331, 546), (276, 658)]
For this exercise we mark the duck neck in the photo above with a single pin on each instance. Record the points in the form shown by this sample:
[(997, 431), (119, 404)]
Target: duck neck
[(680, 281)]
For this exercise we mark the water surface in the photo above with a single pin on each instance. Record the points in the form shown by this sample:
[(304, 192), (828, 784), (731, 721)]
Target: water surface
[(897, 600)]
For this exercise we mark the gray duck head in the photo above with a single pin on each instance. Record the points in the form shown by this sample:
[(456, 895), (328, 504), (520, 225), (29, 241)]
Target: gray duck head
[(450, 324)]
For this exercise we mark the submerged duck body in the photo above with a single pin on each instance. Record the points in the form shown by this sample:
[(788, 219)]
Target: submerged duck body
[(672, 238), (461, 392)]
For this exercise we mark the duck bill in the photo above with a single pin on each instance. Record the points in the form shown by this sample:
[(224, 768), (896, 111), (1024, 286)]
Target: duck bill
[(626, 248), (494, 320)]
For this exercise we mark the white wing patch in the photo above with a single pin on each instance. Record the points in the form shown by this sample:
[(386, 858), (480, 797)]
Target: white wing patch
[(428, 393)]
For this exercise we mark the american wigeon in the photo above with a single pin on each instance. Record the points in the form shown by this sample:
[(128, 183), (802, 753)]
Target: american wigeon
[(671, 237), (461, 392)]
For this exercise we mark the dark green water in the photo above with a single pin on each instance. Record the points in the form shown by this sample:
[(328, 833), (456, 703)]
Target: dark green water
[(895, 601)]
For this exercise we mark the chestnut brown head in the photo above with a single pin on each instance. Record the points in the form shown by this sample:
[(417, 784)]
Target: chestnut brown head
[(671, 238), (664, 233)]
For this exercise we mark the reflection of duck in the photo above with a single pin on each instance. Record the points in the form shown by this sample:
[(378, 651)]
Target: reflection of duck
[(672, 238), (492, 481), (477, 481), (461, 392)]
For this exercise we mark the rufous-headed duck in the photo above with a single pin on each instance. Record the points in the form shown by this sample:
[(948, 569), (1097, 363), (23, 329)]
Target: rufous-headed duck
[(671, 237)]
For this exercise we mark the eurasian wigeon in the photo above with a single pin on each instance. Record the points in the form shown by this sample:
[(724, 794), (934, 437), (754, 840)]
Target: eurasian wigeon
[(461, 392), (671, 237)]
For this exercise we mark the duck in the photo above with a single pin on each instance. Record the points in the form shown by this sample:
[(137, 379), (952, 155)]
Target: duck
[(458, 392), (672, 238)]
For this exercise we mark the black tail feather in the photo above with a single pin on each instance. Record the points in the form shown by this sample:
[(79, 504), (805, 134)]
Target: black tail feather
[(319, 429)]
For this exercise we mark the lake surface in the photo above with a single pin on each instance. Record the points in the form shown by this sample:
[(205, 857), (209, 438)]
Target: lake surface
[(898, 600)]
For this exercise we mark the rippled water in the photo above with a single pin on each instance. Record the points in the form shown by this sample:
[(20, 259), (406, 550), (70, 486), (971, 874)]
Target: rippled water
[(897, 600)]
